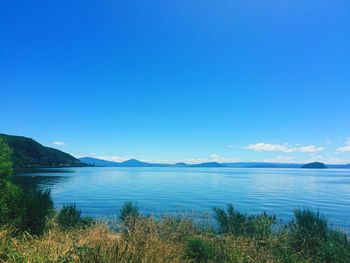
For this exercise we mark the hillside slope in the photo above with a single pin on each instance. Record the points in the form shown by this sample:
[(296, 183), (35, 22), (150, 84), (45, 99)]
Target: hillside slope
[(29, 153), (315, 165)]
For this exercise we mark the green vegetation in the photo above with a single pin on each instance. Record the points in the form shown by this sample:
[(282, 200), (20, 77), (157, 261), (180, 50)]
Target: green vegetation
[(307, 238), (199, 250), (129, 211), (31, 231), (70, 217), (5, 159), (236, 223), (28, 153), (311, 236), (23, 211)]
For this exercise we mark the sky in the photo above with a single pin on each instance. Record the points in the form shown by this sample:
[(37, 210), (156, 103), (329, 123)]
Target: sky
[(170, 81)]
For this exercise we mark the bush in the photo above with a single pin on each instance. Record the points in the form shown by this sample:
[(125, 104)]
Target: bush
[(70, 217), (12, 210), (312, 237), (236, 223), (199, 250), (39, 207), (24, 211), (128, 212)]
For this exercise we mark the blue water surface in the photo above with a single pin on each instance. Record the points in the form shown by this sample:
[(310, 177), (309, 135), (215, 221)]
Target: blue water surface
[(100, 192)]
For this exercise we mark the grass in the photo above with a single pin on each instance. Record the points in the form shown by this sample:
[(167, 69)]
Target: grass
[(239, 238)]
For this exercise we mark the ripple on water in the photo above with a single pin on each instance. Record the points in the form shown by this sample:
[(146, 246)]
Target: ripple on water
[(100, 192)]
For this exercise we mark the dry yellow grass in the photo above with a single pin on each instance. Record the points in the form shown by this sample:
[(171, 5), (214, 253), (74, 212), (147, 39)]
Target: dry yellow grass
[(147, 241)]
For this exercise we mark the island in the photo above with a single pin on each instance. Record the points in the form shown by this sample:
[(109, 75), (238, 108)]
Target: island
[(315, 165)]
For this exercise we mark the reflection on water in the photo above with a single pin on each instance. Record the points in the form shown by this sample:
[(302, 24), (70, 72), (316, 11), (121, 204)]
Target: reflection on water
[(100, 192), (28, 183), (40, 178)]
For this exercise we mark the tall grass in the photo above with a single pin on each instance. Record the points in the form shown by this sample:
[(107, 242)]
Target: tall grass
[(239, 238)]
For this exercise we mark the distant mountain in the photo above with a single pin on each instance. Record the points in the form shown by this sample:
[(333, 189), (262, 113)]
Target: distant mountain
[(315, 165), (181, 165), (262, 165), (29, 153), (128, 163), (98, 162), (134, 163), (338, 166), (137, 163), (208, 164)]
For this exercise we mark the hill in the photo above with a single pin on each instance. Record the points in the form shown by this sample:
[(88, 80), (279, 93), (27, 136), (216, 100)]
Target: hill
[(134, 163), (262, 165), (98, 162), (315, 165), (128, 163), (29, 153), (137, 163), (209, 164)]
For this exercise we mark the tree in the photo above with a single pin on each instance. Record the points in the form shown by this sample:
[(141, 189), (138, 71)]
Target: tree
[(5, 159)]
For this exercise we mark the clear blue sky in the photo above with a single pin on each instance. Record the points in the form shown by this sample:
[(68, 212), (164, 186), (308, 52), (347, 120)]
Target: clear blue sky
[(179, 80)]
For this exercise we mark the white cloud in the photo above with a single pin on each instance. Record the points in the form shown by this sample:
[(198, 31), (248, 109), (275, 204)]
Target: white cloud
[(345, 148), (268, 147), (337, 160), (59, 143)]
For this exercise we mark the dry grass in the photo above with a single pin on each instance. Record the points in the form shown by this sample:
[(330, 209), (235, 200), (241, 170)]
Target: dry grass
[(145, 240)]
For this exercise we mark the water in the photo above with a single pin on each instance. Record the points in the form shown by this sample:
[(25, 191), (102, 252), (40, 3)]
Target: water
[(100, 192)]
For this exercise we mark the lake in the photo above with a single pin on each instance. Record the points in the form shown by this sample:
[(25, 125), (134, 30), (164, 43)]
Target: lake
[(100, 192)]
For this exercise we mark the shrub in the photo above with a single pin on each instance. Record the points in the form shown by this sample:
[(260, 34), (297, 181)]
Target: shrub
[(70, 217), (12, 210), (128, 211), (199, 250), (236, 223), (24, 211), (312, 237), (39, 207)]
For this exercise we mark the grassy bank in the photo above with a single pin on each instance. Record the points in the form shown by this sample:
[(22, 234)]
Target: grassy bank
[(68, 237)]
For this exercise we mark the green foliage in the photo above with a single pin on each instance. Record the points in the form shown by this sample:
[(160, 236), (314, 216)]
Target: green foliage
[(128, 212), (199, 250), (24, 211), (39, 207), (234, 222), (308, 230), (70, 217), (5, 159), (311, 236), (12, 211), (29, 153)]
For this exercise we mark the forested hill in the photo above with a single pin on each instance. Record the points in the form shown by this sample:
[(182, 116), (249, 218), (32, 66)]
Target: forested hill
[(29, 153)]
